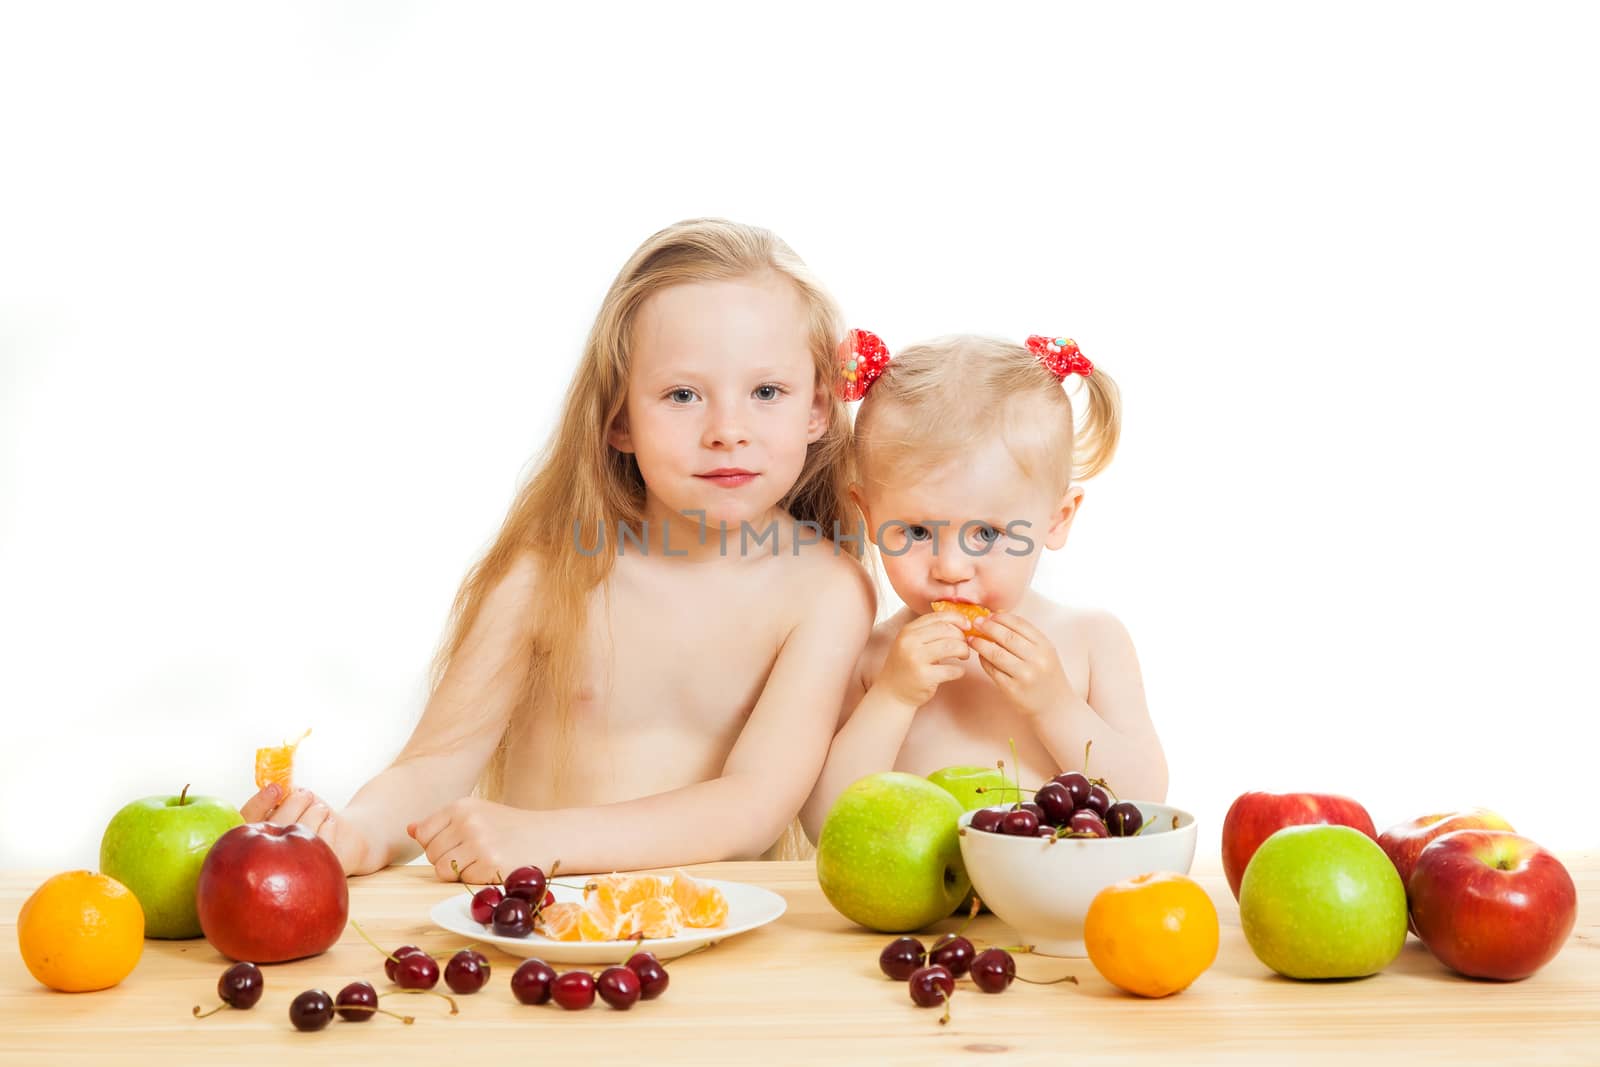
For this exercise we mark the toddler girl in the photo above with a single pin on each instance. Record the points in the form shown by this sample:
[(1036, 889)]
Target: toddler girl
[(967, 452)]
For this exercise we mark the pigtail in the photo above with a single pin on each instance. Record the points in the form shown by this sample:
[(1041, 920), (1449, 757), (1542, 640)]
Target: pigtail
[(1100, 427)]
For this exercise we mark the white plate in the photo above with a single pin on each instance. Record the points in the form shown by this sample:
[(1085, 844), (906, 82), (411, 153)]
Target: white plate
[(749, 906)]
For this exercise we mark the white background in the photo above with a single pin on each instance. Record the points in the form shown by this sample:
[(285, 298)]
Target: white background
[(289, 295)]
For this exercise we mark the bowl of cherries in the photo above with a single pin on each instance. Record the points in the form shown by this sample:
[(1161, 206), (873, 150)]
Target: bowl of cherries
[(1038, 863)]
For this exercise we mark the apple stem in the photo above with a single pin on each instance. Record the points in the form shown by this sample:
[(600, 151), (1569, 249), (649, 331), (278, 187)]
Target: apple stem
[(374, 944), (183, 795)]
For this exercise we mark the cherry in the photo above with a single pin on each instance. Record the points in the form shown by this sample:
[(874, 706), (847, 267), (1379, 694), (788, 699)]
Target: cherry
[(358, 1002), (574, 990), (527, 883), (393, 959), (1085, 821), (619, 987), (1038, 812), (1019, 823), (467, 971), (652, 976), (987, 820), (483, 904), (417, 971), (993, 970), (311, 1010), (532, 981), (1055, 801), (513, 918), (1099, 800), (1124, 819), (239, 987), (952, 952), (1077, 785), (902, 956), (930, 986), (549, 899), (1045, 830)]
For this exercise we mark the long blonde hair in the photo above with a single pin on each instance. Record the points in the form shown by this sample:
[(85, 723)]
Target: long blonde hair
[(580, 478), (937, 400)]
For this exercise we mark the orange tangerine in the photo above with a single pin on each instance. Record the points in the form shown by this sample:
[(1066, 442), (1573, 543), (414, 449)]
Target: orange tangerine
[(559, 922), (970, 612), (655, 917), (710, 910), (1152, 935), (276, 765), (81, 931)]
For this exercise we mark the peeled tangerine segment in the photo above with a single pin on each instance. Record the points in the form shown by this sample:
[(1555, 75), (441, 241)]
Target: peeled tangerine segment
[(623, 907), (276, 765), (971, 612)]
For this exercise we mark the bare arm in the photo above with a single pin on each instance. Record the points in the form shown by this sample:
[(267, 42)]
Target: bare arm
[(1112, 714), (446, 753), (764, 780)]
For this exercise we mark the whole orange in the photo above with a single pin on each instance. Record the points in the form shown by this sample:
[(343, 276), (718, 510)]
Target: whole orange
[(1152, 935), (81, 931)]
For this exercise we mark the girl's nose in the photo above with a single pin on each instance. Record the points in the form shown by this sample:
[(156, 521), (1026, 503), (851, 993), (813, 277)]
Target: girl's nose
[(725, 429), (950, 564)]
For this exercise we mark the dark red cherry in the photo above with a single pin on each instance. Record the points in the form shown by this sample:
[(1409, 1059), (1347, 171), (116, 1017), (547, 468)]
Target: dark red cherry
[(1099, 800), (993, 970), (357, 1002), (417, 971), (930, 986), (987, 820), (527, 883), (533, 981), (902, 956), (952, 952), (652, 976), (1077, 785), (618, 987), (467, 971), (311, 1010), (484, 902), (574, 990), (513, 918), (1056, 803), (1124, 819), (1019, 824), (392, 961), (1086, 822)]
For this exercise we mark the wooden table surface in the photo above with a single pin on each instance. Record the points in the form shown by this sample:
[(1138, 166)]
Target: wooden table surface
[(807, 989)]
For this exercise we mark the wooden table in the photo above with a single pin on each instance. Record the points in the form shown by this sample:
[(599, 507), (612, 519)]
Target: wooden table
[(807, 989)]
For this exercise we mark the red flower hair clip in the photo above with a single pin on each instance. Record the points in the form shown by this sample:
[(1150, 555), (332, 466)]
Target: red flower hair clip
[(1060, 356), (862, 357)]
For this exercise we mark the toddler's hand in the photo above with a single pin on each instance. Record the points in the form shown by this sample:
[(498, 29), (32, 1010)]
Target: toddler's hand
[(1022, 661), (923, 657), (474, 840), (302, 806)]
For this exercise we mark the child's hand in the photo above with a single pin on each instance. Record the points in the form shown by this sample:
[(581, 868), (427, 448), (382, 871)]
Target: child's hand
[(302, 806), (473, 840), (920, 660), (1023, 663)]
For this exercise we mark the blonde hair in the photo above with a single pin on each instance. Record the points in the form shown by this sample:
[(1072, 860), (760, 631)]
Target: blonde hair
[(581, 478), (938, 400)]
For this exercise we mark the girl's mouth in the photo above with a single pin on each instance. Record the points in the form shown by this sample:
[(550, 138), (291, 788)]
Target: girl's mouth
[(728, 477)]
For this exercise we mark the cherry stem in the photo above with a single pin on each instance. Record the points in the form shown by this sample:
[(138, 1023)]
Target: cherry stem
[(1016, 766), (407, 1019), (206, 1015), (1003, 789), (373, 943), (454, 1010), (972, 913), (1054, 981), (945, 1018), (1086, 746), (182, 797), (691, 952)]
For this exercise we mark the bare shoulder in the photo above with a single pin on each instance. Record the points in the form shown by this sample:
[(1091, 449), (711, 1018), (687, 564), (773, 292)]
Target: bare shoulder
[(825, 580), (1092, 628), (878, 644)]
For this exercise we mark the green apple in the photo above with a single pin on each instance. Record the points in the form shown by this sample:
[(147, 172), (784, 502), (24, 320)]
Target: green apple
[(155, 847), (1322, 902), (888, 856), (963, 783)]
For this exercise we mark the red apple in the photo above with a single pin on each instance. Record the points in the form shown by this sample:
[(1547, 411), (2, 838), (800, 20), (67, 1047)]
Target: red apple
[(1492, 904), (1254, 817), (1405, 842), (271, 893)]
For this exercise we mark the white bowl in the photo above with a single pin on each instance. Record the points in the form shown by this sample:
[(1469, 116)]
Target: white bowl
[(1043, 888)]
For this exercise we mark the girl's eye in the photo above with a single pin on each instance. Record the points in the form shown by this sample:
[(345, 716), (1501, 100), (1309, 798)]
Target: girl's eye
[(682, 396), (918, 533), (986, 534), (768, 392)]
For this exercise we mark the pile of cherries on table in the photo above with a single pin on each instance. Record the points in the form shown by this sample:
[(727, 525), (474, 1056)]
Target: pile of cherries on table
[(1069, 805), (413, 970)]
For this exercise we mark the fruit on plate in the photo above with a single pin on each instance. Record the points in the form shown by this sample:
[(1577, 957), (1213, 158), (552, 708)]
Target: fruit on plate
[(155, 846), (626, 907), (1152, 935), (80, 931), (1254, 817), (275, 766), (1322, 901), (976, 787), (1405, 841), (1492, 904), (271, 893), (889, 857)]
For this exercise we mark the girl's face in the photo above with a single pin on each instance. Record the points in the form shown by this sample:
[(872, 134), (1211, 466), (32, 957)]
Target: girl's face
[(970, 531), (723, 398)]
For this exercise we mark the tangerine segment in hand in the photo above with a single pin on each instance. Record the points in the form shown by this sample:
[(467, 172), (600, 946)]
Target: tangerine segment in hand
[(970, 612), (276, 766), (1152, 935), (81, 931)]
